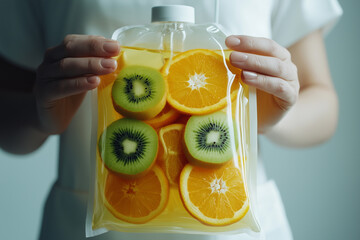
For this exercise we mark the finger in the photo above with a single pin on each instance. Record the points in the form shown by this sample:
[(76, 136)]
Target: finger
[(83, 46), (73, 67), (265, 65), (284, 90), (59, 89), (256, 45)]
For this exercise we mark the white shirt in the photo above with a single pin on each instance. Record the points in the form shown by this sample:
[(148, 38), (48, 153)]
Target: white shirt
[(40, 24)]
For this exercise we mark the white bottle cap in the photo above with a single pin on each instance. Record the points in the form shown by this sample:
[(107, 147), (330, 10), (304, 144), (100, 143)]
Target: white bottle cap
[(173, 13)]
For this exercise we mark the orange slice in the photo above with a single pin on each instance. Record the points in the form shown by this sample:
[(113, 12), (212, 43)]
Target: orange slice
[(142, 57), (171, 156), (107, 79), (165, 117), (137, 200), (214, 196), (129, 57), (106, 112), (197, 81)]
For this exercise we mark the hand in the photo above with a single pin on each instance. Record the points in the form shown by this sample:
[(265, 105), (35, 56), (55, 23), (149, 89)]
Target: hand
[(267, 66), (67, 72)]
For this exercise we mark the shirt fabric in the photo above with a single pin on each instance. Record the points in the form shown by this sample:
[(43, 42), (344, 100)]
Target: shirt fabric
[(29, 27)]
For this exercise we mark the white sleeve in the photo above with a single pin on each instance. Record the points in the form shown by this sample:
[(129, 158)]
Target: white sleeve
[(294, 19), (21, 40)]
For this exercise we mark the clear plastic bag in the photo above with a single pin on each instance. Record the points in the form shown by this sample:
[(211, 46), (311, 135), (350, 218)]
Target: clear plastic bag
[(175, 144)]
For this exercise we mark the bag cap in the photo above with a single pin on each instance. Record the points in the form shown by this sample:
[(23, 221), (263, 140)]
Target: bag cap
[(173, 13)]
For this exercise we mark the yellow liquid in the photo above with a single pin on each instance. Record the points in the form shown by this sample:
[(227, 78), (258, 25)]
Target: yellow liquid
[(174, 213)]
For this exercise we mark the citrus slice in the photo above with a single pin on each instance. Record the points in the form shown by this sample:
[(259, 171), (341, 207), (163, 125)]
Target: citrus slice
[(130, 57), (142, 57), (171, 156), (106, 112), (197, 81), (214, 196), (137, 200), (109, 78), (165, 117)]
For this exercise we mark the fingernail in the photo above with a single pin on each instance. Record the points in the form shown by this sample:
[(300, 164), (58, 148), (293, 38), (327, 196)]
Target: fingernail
[(238, 57), (93, 80), (232, 41), (111, 47), (249, 75), (108, 63)]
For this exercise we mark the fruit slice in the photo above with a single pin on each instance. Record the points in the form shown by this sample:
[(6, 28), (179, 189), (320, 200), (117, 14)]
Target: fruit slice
[(106, 112), (139, 92), (128, 147), (108, 79), (171, 157), (165, 117), (138, 200), (214, 196), (128, 57), (142, 57), (207, 140), (197, 81)]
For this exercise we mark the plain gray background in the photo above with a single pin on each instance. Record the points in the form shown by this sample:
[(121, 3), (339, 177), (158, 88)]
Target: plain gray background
[(320, 186)]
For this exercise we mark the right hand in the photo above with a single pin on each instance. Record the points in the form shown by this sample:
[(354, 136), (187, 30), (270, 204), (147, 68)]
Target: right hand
[(67, 72)]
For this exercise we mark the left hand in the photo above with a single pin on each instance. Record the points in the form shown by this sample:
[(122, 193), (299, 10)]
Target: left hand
[(267, 66)]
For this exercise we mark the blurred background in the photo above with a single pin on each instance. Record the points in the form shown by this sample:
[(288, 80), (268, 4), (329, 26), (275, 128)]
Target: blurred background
[(320, 186)]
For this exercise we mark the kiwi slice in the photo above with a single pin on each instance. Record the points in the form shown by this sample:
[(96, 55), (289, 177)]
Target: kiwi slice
[(139, 92), (128, 147), (207, 140)]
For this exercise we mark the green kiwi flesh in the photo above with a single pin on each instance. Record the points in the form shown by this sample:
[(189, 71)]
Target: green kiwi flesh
[(128, 147), (207, 140), (139, 92)]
